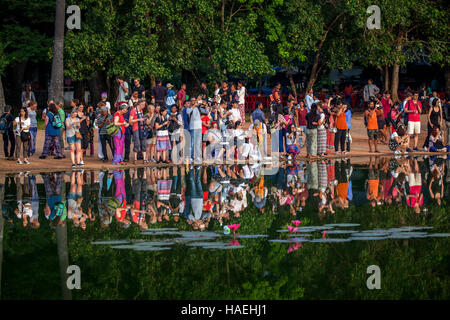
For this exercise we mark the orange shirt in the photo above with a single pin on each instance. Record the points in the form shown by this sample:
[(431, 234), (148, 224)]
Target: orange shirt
[(372, 121), (341, 123), (373, 188), (342, 189)]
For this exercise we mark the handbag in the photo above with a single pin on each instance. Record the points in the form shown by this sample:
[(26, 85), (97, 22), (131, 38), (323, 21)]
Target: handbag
[(78, 135), (24, 136)]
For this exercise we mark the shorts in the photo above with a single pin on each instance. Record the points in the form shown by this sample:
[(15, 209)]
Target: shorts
[(72, 140), (138, 144), (415, 179), (151, 140), (413, 127), (372, 133)]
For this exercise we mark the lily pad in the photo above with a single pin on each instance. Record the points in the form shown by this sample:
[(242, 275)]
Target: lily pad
[(331, 240), (251, 236), (439, 235), (340, 231), (342, 225), (367, 238), (152, 249)]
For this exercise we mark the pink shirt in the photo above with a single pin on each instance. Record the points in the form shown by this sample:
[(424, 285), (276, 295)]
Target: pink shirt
[(410, 105), (386, 105), (414, 191)]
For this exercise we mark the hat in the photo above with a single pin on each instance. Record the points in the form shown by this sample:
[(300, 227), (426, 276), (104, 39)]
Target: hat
[(256, 122), (104, 94), (169, 85)]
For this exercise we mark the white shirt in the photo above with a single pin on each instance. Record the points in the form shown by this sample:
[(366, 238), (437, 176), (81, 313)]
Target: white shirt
[(235, 115), (241, 95), (24, 124), (122, 93), (217, 96)]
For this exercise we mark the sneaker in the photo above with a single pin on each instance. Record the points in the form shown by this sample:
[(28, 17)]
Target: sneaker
[(81, 163), (416, 149), (74, 165), (26, 162), (397, 152), (19, 162), (409, 150)]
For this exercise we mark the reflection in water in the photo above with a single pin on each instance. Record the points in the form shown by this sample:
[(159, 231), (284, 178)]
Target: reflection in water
[(242, 232), (199, 195)]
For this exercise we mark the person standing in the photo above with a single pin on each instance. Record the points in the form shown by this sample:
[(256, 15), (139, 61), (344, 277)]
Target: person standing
[(258, 114), (151, 134), (435, 119), (225, 93), (62, 116), (341, 126), (321, 132), (241, 97), (387, 103), (159, 94), (301, 119), (348, 120), (312, 119), (106, 102), (413, 109), (372, 126), (22, 123), (52, 133), (139, 131), (128, 135), (195, 126), (123, 91), (84, 130), (162, 137), (370, 91), (119, 137), (102, 121), (181, 96), (171, 96), (73, 137), (6, 123), (309, 99), (27, 96), (139, 88), (216, 93), (32, 114), (204, 92)]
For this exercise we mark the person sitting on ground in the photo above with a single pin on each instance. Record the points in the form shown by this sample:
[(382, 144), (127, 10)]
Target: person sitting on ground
[(436, 142), (399, 140)]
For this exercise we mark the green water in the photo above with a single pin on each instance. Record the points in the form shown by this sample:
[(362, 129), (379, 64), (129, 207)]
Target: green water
[(263, 260)]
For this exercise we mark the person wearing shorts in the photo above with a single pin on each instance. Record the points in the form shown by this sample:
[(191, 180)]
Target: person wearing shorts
[(413, 109), (139, 130), (372, 126)]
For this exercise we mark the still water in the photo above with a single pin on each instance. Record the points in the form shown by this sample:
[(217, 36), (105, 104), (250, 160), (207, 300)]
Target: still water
[(303, 231)]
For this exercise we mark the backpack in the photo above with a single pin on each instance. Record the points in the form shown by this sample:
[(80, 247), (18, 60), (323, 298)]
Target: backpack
[(56, 123), (59, 210), (111, 129), (113, 204), (4, 124)]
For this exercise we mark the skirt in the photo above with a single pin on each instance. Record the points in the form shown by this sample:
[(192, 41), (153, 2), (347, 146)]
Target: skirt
[(321, 141), (292, 149), (163, 143), (164, 187)]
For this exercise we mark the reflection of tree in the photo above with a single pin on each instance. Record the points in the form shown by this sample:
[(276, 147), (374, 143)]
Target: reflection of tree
[(63, 254), (2, 197)]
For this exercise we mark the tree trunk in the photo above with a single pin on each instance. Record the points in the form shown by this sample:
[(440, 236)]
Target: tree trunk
[(394, 85), (259, 85), (95, 89), (78, 91), (2, 97), (314, 72), (17, 75), (56, 89), (386, 78), (291, 81), (152, 83), (63, 257)]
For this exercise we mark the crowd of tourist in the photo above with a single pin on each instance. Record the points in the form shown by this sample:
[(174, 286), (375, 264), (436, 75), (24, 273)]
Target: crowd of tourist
[(165, 125)]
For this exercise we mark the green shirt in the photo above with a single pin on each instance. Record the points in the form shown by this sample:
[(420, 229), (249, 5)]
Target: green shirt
[(62, 115)]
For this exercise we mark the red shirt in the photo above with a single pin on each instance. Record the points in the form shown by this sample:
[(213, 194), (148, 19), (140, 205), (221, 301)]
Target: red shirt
[(348, 90), (181, 96), (121, 120), (204, 128), (386, 105), (133, 116), (410, 105), (301, 114)]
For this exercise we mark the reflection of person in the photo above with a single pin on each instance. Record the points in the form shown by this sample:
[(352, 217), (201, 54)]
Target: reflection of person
[(53, 188), (436, 185), (415, 197)]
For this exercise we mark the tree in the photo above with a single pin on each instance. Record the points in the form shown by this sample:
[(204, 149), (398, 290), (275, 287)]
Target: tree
[(411, 30), (56, 89)]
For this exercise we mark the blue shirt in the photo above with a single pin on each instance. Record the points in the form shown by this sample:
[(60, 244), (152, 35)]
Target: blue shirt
[(126, 117), (258, 114), (185, 119), (50, 129), (348, 118), (309, 101)]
